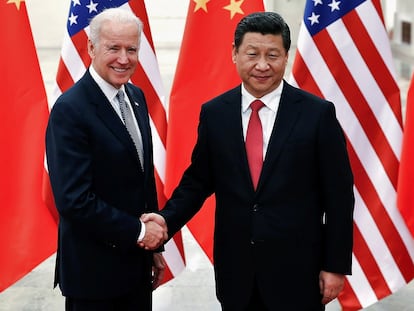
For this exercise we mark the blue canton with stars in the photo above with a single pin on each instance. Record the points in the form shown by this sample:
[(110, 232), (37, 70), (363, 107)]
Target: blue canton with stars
[(321, 13), (81, 12)]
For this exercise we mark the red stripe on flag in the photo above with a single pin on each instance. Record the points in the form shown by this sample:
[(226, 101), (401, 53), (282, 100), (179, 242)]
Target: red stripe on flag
[(305, 79), (156, 109), (79, 41), (370, 266), (348, 298), (47, 195), (138, 7), (63, 78), (378, 8)]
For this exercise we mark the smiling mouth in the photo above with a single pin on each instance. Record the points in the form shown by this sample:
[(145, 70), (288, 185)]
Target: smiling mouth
[(120, 70)]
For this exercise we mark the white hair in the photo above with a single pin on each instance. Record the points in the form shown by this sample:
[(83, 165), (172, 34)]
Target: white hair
[(113, 14)]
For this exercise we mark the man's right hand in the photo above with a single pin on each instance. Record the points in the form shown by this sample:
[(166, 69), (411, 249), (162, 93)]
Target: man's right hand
[(156, 232)]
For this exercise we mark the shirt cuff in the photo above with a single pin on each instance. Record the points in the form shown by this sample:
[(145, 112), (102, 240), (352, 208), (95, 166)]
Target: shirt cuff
[(142, 233)]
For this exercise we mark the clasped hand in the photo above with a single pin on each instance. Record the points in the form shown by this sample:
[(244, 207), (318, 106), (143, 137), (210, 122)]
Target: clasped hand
[(156, 232)]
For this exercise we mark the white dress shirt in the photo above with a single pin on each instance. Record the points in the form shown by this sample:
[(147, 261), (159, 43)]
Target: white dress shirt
[(267, 114), (110, 93)]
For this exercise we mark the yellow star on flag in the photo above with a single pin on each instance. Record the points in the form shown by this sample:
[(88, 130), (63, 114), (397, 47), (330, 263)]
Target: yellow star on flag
[(234, 7), (201, 4), (16, 2)]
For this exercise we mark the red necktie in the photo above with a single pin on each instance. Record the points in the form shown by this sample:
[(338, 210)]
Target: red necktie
[(254, 142)]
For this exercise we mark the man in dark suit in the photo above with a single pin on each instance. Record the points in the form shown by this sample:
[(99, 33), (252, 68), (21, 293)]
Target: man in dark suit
[(100, 185), (283, 229)]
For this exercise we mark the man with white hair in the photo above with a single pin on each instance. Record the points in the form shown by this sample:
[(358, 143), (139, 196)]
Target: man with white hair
[(101, 170)]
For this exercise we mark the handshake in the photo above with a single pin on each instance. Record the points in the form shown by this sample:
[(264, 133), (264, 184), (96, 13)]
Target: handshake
[(156, 231)]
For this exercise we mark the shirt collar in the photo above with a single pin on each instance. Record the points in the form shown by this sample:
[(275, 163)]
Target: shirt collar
[(109, 91), (271, 100)]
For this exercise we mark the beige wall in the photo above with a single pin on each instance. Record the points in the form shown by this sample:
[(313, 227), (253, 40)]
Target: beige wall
[(48, 21)]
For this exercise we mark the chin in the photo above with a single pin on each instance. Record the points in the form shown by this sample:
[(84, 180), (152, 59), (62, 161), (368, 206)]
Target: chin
[(119, 83)]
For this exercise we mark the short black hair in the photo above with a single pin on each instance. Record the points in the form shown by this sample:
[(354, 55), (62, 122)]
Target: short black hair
[(264, 23)]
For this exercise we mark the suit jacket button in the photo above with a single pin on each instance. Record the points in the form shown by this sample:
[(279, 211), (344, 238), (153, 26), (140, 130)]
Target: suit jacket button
[(255, 207)]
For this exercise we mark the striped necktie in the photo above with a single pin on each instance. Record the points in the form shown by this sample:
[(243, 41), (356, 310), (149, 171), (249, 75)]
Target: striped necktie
[(130, 125)]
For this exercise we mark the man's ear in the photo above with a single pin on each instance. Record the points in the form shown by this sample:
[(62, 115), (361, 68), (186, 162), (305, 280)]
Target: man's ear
[(91, 49)]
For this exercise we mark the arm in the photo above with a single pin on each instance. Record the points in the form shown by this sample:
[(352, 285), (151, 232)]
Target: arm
[(336, 187), (195, 186)]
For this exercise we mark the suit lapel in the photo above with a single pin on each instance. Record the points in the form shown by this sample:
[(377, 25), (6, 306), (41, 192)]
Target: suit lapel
[(107, 114), (235, 138), (287, 115)]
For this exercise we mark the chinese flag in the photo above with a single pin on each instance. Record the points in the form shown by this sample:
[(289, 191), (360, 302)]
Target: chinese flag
[(405, 195), (204, 70), (27, 228)]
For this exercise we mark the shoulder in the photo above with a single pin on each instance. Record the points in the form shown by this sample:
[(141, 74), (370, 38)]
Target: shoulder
[(70, 98), (306, 100), (293, 91), (79, 88), (230, 97), (74, 100), (135, 91)]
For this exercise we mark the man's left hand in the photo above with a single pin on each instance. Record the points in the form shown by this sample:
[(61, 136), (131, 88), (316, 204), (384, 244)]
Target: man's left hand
[(158, 269), (330, 284)]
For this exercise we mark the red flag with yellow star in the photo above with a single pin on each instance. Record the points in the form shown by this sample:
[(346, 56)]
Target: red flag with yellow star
[(27, 228), (204, 70)]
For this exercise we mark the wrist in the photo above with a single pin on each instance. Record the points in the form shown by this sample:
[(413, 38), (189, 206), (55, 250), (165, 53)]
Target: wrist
[(142, 233)]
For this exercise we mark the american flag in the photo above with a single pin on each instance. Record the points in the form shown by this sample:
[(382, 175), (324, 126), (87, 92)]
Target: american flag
[(75, 60), (343, 55)]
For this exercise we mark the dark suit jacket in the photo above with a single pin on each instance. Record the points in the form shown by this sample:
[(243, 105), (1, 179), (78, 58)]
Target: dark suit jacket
[(275, 235), (100, 192)]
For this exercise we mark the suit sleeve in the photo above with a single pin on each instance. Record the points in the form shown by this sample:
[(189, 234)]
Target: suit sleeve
[(195, 185), (337, 194)]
